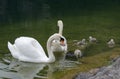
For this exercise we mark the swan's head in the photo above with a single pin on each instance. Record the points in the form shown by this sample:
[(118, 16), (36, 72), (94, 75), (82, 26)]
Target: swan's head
[(112, 40), (59, 23), (59, 43), (59, 40)]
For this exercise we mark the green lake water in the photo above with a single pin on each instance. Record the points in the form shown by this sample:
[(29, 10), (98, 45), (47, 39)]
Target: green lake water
[(101, 22)]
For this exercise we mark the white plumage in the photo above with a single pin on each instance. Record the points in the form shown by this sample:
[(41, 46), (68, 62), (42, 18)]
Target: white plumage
[(29, 49), (82, 42), (77, 53), (92, 39), (111, 43), (60, 25)]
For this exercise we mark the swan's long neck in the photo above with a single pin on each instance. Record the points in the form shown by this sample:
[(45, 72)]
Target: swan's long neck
[(60, 25), (50, 52)]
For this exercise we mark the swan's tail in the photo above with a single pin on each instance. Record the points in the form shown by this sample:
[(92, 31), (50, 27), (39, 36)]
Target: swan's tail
[(12, 49)]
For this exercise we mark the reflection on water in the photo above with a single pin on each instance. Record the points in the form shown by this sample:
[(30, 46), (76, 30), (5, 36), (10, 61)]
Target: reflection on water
[(13, 69)]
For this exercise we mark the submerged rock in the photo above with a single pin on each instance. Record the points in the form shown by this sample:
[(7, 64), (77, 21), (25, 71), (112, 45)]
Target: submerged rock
[(109, 72)]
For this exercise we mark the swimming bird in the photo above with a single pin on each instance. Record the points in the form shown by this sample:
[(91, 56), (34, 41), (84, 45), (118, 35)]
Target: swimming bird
[(74, 55), (28, 49), (82, 42), (78, 53), (92, 39), (111, 43), (61, 45)]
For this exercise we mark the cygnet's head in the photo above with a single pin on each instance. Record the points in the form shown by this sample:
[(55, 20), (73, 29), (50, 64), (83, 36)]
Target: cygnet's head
[(83, 40), (90, 37), (112, 40)]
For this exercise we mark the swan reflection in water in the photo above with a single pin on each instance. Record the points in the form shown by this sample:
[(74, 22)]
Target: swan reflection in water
[(30, 70), (14, 69)]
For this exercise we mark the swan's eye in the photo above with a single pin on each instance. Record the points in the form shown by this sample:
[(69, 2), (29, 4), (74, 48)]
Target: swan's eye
[(54, 41)]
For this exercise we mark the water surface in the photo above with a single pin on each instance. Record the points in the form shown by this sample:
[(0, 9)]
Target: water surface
[(11, 68)]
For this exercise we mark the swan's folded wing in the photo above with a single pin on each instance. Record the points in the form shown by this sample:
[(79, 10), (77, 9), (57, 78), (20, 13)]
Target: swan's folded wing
[(29, 48), (37, 45)]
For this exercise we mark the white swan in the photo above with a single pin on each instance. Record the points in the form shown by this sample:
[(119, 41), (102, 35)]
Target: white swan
[(60, 46), (29, 50)]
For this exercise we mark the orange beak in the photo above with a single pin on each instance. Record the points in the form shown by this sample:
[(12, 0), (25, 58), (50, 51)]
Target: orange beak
[(62, 43)]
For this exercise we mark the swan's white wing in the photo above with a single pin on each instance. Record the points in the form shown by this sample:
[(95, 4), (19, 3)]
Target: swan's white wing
[(29, 48)]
